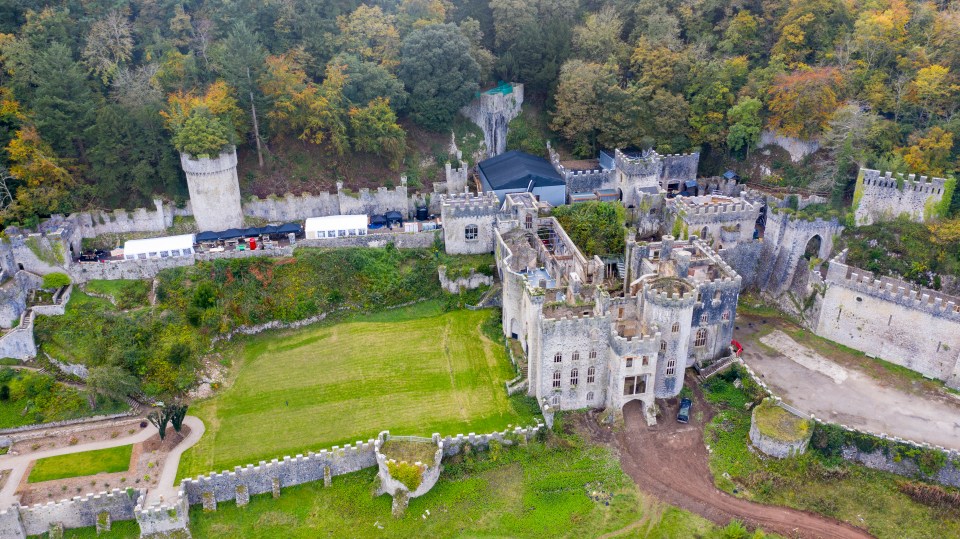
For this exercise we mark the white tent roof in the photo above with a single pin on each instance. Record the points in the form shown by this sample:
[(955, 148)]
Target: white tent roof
[(336, 222), (155, 245)]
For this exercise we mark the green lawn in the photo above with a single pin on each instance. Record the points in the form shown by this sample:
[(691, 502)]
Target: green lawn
[(412, 371), (115, 459)]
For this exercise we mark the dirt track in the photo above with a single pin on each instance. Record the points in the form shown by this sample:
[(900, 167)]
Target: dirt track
[(669, 461)]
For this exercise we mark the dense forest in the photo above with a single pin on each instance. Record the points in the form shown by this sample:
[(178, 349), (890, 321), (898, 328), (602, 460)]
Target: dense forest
[(97, 97)]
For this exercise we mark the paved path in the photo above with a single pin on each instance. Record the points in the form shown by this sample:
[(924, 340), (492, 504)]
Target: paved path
[(165, 489), (833, 392), (19, 463)]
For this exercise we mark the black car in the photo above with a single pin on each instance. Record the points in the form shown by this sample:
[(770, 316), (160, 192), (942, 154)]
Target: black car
[(683, 415)]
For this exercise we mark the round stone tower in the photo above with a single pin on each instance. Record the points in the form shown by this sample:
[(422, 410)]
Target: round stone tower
[(214, 190), (668, 303)]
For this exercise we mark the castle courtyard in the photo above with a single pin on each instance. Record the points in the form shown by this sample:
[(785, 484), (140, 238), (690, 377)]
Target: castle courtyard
[(835, 384)]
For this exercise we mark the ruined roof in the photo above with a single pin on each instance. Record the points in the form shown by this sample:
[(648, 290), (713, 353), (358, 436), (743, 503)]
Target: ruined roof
[(516, 170)]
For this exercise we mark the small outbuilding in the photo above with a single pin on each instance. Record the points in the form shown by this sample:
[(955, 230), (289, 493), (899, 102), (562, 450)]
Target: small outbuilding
[(164, 247), (336, 226), (518, 172)]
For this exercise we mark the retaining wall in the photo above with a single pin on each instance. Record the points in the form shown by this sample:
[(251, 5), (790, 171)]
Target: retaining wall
[(79, 512), (470, 282), (772, 446)]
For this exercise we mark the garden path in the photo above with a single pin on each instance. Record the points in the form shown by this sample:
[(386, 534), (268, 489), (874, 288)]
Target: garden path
[(18, 464)]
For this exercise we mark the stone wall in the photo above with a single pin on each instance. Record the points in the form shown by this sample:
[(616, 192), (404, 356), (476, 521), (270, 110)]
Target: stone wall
[(13, 296), (219, 487), (797, 148), (160, 520), (892, 320), (79, 512), (884, 197), (878, 459), (18, 343), (470, 282), (95, 223), (214, 190), (785, 239), (291, 207), (462, 211), (149, 268), (11, 525), (773, 447), (401, 240)]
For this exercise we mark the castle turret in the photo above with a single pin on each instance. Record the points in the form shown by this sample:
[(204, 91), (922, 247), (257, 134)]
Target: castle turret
[(214, 190), (668, 304)]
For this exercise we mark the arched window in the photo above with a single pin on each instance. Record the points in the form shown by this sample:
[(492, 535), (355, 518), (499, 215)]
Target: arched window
[(663, 346), (589, 396), (558, 357), (470, 232), (704, 233), (574, 377), (701, 337), (556, 380), (591, 375), (576, 355), (676, 327)]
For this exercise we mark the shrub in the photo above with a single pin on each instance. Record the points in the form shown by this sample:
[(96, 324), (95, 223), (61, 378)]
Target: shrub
[(409, 474), (55, 280)]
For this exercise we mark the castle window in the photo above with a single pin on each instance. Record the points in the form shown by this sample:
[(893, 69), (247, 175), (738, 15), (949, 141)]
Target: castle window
[(716, 296), (589, 396), (703, 318), (726, 316), (529, 221), (591, 375), (699, 296), (634, 385), (558, 357), (470, 232), (593, 354), (574, 377), (555, 401), (676, 327), (646, 361), (671, 367), (629, 362), (576, 355), (701, 337), (556, 380), (663, 346)]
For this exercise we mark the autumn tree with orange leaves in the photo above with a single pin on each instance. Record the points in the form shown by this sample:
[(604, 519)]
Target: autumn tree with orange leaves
[(802, 102)]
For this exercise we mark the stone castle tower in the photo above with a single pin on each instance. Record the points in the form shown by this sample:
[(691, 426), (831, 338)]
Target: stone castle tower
[(214, 190)]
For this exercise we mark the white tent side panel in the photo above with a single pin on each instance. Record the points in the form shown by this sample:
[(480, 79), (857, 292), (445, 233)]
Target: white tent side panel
[(333, 226), (156, 247)]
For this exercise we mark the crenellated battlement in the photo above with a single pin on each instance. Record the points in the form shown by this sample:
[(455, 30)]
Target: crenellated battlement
[(709, 207), (469, 205), (911, 182)]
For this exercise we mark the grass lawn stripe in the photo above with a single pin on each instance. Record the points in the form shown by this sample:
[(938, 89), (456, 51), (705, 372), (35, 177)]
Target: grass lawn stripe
[(413, 373), (114, 459)]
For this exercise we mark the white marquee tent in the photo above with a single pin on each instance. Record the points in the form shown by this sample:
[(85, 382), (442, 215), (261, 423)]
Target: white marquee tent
[(158, 247), (335, 226)]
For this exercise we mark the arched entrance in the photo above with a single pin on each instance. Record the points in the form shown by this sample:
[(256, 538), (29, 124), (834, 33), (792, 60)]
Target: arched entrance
[(814, 245), (634, 414), (514, 328)]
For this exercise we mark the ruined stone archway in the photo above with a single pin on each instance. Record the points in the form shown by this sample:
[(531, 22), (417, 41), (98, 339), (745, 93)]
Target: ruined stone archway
[(814, 248)]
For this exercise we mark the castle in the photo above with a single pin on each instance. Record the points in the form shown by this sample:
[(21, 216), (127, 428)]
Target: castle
[(882, 197), (588, 344)]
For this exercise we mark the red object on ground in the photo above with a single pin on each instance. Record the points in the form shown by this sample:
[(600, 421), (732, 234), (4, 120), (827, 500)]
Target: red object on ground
[(253, 244), (737, 346)]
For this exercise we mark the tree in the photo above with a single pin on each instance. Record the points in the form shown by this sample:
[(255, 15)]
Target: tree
[(933, 91), (802, 102), (178, 412), (485, 59), (43, 184), (370, 34), (579, 111), (367, 81), (929, 153), (374, 129), (202, 134), (412, 14), (109, 44), (745, 124), (218, 100), (439, 73), (136, 87), (160, 419), (742, 36), (111, 381), (598, 38), (595, 227), (241, 61)]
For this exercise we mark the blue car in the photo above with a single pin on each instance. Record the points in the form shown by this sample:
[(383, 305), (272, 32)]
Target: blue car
[(684, 415)]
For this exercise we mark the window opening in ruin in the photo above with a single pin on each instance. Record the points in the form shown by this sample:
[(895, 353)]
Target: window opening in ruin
[(574, 377), (591, 375), (576, 355), (629, 362), (593, 354), (663, 346), (716, 296), (555, 401), (558, 357), (590, 396), (703, 318), (556, 380), (676, 327), (813, 248), (645, 361), (699, 296), (620, 312), (671, 367), (470, 232), (634, 385), (704, 233), (701, 337), (725, 316)]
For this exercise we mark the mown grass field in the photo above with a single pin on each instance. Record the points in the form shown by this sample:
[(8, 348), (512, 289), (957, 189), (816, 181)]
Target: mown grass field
[(114, 459), (411, 371)]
